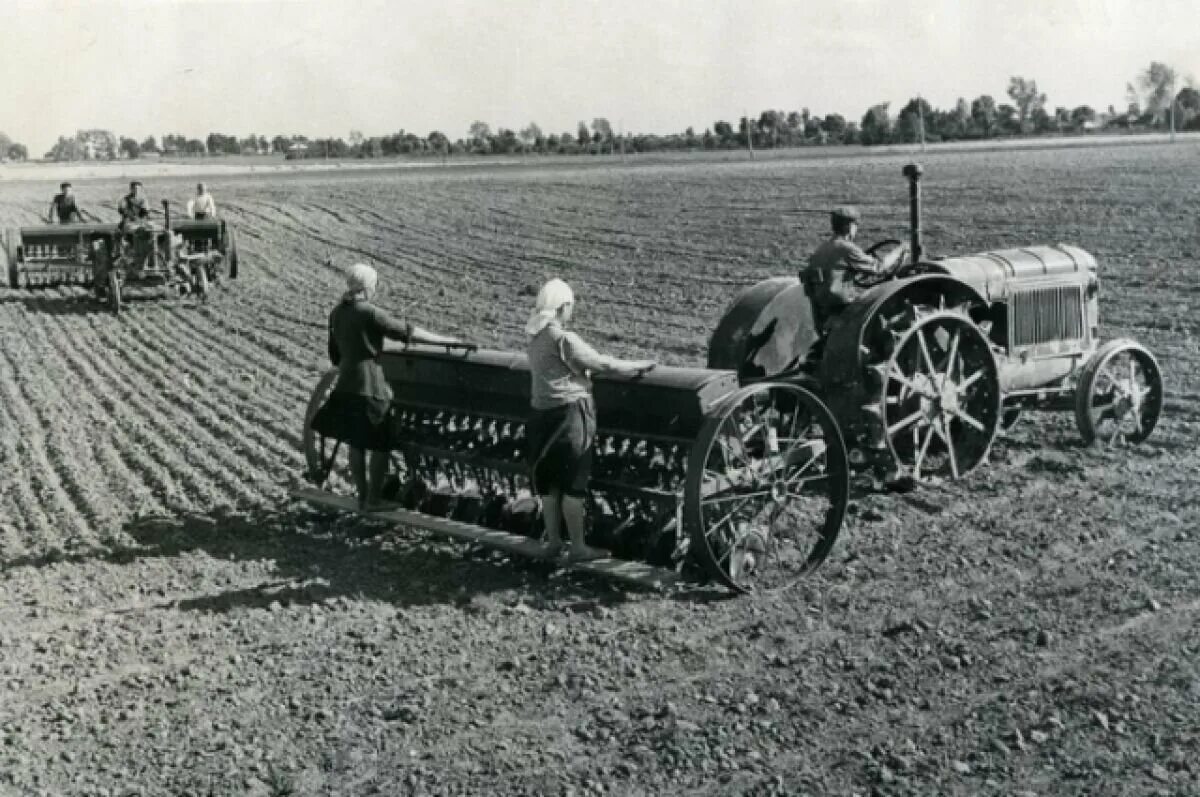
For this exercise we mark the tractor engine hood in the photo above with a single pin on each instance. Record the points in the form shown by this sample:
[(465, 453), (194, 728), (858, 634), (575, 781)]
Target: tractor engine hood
[(997, 275)]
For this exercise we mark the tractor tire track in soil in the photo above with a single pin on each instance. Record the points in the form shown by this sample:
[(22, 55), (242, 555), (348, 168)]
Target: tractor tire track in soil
[(170, 623)]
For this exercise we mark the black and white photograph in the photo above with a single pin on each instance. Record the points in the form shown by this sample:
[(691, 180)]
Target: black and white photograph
[(599, 397)]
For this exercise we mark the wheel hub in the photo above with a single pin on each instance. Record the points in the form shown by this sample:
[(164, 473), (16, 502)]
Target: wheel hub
[(948, 397), (779, 491)]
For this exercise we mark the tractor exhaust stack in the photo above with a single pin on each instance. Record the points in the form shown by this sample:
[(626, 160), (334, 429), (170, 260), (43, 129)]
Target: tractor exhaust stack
[(913, 172)]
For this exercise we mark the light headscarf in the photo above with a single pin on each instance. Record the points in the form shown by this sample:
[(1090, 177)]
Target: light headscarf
[(553, 295), (360, 280)]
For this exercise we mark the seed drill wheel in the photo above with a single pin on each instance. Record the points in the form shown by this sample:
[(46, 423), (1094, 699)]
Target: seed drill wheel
[(940, 404), (767, 487), (7, 268), (327, 463), (9, 261), (1120, 394)]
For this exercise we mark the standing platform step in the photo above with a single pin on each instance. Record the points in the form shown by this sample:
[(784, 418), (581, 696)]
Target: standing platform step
[(638, 573)]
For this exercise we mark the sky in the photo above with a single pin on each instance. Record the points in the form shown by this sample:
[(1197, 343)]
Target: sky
[(148, 67)]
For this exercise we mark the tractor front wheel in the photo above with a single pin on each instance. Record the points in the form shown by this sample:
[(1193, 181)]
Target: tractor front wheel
[(1120, 394)]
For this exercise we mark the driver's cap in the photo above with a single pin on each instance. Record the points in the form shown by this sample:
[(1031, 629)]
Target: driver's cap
[(846, 212)]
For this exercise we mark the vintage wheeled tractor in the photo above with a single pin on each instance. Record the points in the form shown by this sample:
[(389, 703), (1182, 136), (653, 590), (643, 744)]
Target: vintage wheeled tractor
[(187, 252), (691, 470), (927, 365)]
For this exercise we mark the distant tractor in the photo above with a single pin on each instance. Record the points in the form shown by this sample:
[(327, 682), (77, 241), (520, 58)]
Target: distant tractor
[(924, 368), (187, 255)]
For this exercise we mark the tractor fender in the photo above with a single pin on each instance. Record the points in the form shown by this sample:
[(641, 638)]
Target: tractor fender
[(850, 342), (766, 330)]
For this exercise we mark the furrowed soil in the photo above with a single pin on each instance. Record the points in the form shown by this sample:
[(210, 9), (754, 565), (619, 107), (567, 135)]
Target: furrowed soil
[(172, 624)]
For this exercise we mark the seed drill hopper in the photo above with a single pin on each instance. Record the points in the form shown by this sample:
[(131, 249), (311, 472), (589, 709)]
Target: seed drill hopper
[(693, 474)]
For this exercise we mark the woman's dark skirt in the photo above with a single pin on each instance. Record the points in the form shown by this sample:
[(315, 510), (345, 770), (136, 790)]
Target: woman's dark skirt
[(361, 421), (560, 447)]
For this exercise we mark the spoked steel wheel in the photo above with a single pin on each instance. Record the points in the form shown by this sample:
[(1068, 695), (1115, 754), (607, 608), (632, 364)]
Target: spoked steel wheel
[(767, 487), (327, 460), (1120, 394), (940, 406)]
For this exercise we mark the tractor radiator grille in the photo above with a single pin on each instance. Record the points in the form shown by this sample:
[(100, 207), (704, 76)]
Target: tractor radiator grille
[(1043, 315)]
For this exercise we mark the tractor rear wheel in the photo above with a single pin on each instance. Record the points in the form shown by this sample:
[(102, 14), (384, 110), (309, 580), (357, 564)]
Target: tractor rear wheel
[(1120, 394), (114, 291), (231, 252), (939, 406), (767, 487)]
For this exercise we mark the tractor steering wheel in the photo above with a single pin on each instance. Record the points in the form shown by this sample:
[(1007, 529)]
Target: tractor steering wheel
[(871, 280), (875, 247)]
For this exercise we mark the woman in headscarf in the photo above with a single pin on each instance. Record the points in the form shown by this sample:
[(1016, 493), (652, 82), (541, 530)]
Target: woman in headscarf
[(358, 410), (562, 424)]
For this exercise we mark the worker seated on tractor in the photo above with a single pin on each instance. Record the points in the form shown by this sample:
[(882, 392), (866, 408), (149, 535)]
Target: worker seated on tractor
[(134, 209), (835, 272), (838, 272), (63, 207), (133, 206), (202, 206)]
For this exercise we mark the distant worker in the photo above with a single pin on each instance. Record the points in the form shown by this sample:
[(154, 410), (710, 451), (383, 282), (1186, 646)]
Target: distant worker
[(133, 206), (830, 277), (202, 206), (562, 424), (63, 207), (358, 411)]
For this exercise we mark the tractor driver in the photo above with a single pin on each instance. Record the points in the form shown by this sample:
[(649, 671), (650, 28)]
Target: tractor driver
[(829, 278), (63, 206), (133, 206)]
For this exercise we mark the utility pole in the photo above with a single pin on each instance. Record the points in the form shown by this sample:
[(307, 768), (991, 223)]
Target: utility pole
[(921, 119), (1172, 110), (749, 134)]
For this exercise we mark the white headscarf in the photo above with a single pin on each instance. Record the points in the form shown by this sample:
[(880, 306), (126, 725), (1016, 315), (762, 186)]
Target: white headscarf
[(553, 295), (360, 279)]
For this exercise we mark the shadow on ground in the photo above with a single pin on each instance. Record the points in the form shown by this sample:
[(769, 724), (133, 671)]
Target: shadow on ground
[(84, 303), (315, 555)]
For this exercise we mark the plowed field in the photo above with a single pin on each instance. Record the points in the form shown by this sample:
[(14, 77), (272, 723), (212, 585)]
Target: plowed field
[(171, 624)]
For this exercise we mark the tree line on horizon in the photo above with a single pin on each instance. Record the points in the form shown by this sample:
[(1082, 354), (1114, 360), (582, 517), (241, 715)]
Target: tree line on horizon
[(1150, 105)]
